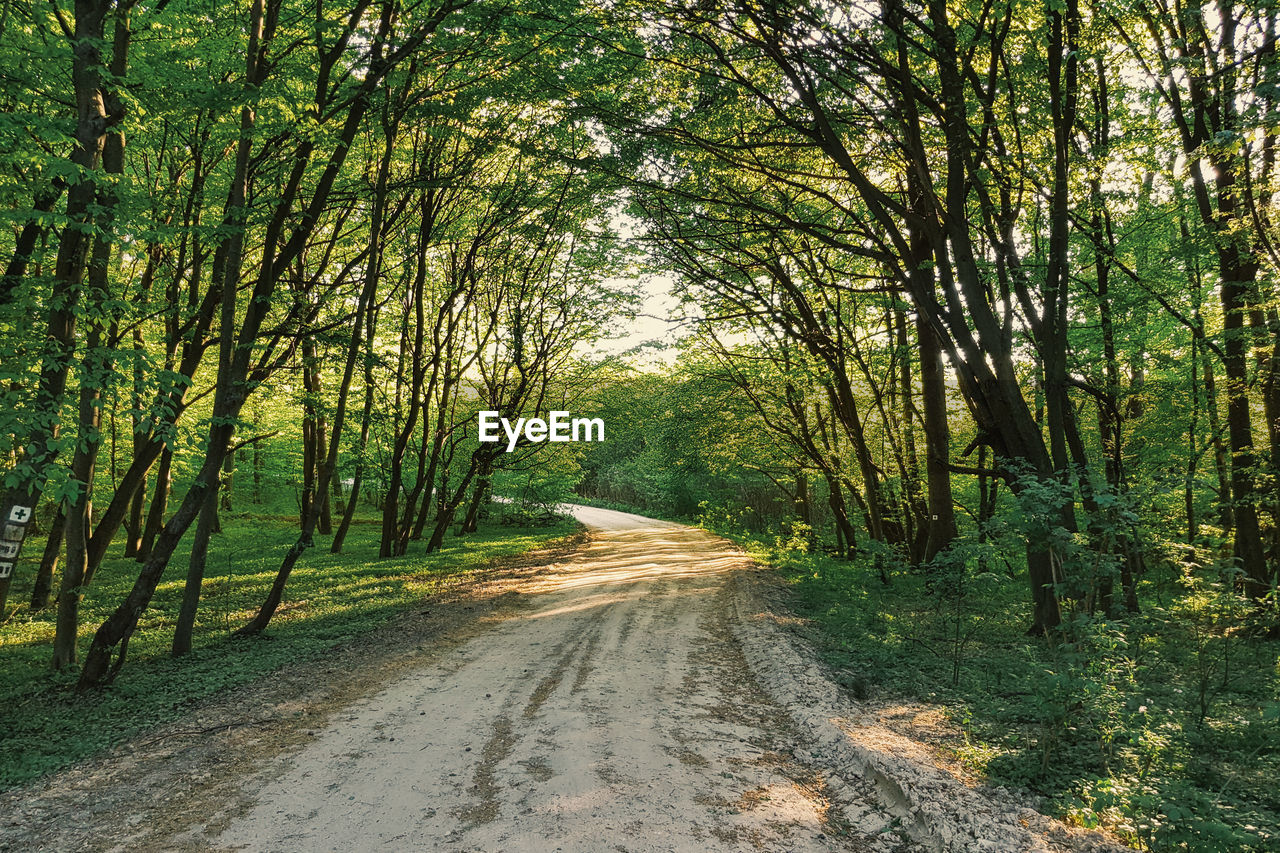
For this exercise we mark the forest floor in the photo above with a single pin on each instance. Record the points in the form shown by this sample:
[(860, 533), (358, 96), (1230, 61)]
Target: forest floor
[(642, 692)]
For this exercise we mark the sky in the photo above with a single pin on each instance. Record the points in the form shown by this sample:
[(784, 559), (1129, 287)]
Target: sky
[(653, 322)]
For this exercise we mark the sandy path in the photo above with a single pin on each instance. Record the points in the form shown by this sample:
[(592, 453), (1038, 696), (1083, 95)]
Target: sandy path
[(615, 713)]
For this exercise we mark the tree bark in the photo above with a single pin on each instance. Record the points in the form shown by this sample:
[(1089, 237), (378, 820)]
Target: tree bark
[(479, 495), (159, 504), (93, 124), (97, 367), (43, 587), (366, 415), (183, 630), (133, 522)]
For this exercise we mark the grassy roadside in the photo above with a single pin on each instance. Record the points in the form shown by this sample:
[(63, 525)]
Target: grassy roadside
[(330, 599), (1163, 728)]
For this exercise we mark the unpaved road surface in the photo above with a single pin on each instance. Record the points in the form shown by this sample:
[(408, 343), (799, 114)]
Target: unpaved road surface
[(642, 691), (616, 713)]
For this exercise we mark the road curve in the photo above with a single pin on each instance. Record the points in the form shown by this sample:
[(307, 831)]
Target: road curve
[(615, 712)]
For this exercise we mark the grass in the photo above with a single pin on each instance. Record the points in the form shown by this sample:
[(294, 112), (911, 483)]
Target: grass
[(330, 599), (1164, 727)]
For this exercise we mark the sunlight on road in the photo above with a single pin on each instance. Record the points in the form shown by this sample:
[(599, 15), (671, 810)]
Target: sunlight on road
[(613, 712)]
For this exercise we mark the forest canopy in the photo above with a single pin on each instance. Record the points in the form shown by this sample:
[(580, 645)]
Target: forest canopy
[(970, 292)]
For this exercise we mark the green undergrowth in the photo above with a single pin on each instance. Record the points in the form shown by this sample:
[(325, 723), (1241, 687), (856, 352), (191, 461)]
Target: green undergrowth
[(330, 599), (1163, 727)]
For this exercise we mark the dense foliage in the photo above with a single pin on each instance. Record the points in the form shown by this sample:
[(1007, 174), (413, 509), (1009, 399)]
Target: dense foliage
[(334, 235), (979, 302)]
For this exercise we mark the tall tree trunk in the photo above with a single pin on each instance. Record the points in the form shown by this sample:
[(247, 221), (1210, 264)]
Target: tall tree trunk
[(1193, 442), (1248, 550), (1063, 53), (937, 436), (1237, 274), (43, 587), (1226, 502), (1110, 420), (93, 124), (1111, 434), (159, 504), (320, 451), (373, 268), (324, 510), (394, 540), (366, 416), (183, 630), (390, 546), (137, 503), (479, 496), (97, 367), (1237, 271), (310, 425)]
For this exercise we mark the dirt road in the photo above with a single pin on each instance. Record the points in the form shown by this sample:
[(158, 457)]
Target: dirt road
[(616, 713), (641, 692)]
